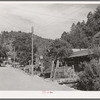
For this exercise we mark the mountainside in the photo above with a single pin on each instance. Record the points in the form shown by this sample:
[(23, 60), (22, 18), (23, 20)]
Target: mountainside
[(23, 45), (82, 33)]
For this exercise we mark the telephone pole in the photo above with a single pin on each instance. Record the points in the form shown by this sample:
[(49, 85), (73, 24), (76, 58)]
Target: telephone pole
[(14, 56), (32, 50)]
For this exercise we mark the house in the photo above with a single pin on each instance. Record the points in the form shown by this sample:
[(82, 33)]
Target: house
[(75, 60), (79, 57), (76, 57)]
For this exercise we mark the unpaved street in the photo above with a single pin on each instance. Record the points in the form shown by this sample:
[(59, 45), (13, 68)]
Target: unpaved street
[(15, 79)]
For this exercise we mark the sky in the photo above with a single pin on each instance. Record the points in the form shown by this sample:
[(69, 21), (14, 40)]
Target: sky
[(49, 20)]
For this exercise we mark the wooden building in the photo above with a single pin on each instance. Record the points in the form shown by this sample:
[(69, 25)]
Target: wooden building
[(79, 57)]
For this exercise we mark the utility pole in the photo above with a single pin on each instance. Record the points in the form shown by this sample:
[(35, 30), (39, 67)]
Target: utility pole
[(55, 71), (32, 50), (52, 70), (14, 56)]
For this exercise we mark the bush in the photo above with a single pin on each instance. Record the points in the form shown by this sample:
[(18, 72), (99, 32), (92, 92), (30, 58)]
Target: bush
[(96, 52), (89, 78)]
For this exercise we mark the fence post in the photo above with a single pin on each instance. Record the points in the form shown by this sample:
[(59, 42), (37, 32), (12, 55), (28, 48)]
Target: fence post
[(32, 66), (64, 70)]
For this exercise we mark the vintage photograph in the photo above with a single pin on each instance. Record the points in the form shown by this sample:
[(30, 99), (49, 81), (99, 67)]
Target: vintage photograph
[(49, 46)]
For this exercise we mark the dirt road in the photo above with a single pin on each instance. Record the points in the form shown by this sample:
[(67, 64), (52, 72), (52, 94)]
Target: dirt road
[(15, 79)]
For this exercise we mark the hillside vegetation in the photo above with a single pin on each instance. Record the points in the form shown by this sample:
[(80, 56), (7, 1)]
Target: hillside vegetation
[(82, 33), (22, 42)]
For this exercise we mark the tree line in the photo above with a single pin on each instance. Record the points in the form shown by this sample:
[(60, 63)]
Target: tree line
[(81, 35)]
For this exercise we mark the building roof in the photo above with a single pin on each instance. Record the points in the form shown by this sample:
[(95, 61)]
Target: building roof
[(48, 70), (96, 35), (81, 53), (75, 50)]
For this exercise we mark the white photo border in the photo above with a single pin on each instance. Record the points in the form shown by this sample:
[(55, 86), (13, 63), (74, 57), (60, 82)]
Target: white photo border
[(54, 94)]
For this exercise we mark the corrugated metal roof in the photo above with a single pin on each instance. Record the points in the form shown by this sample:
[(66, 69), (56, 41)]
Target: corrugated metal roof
[(75, 50), (81, 53)]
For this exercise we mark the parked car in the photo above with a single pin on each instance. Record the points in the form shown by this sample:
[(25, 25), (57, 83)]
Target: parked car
[(6, 64)]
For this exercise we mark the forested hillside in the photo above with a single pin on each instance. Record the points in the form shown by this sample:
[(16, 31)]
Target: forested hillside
[(82, 33), (22, 43)]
